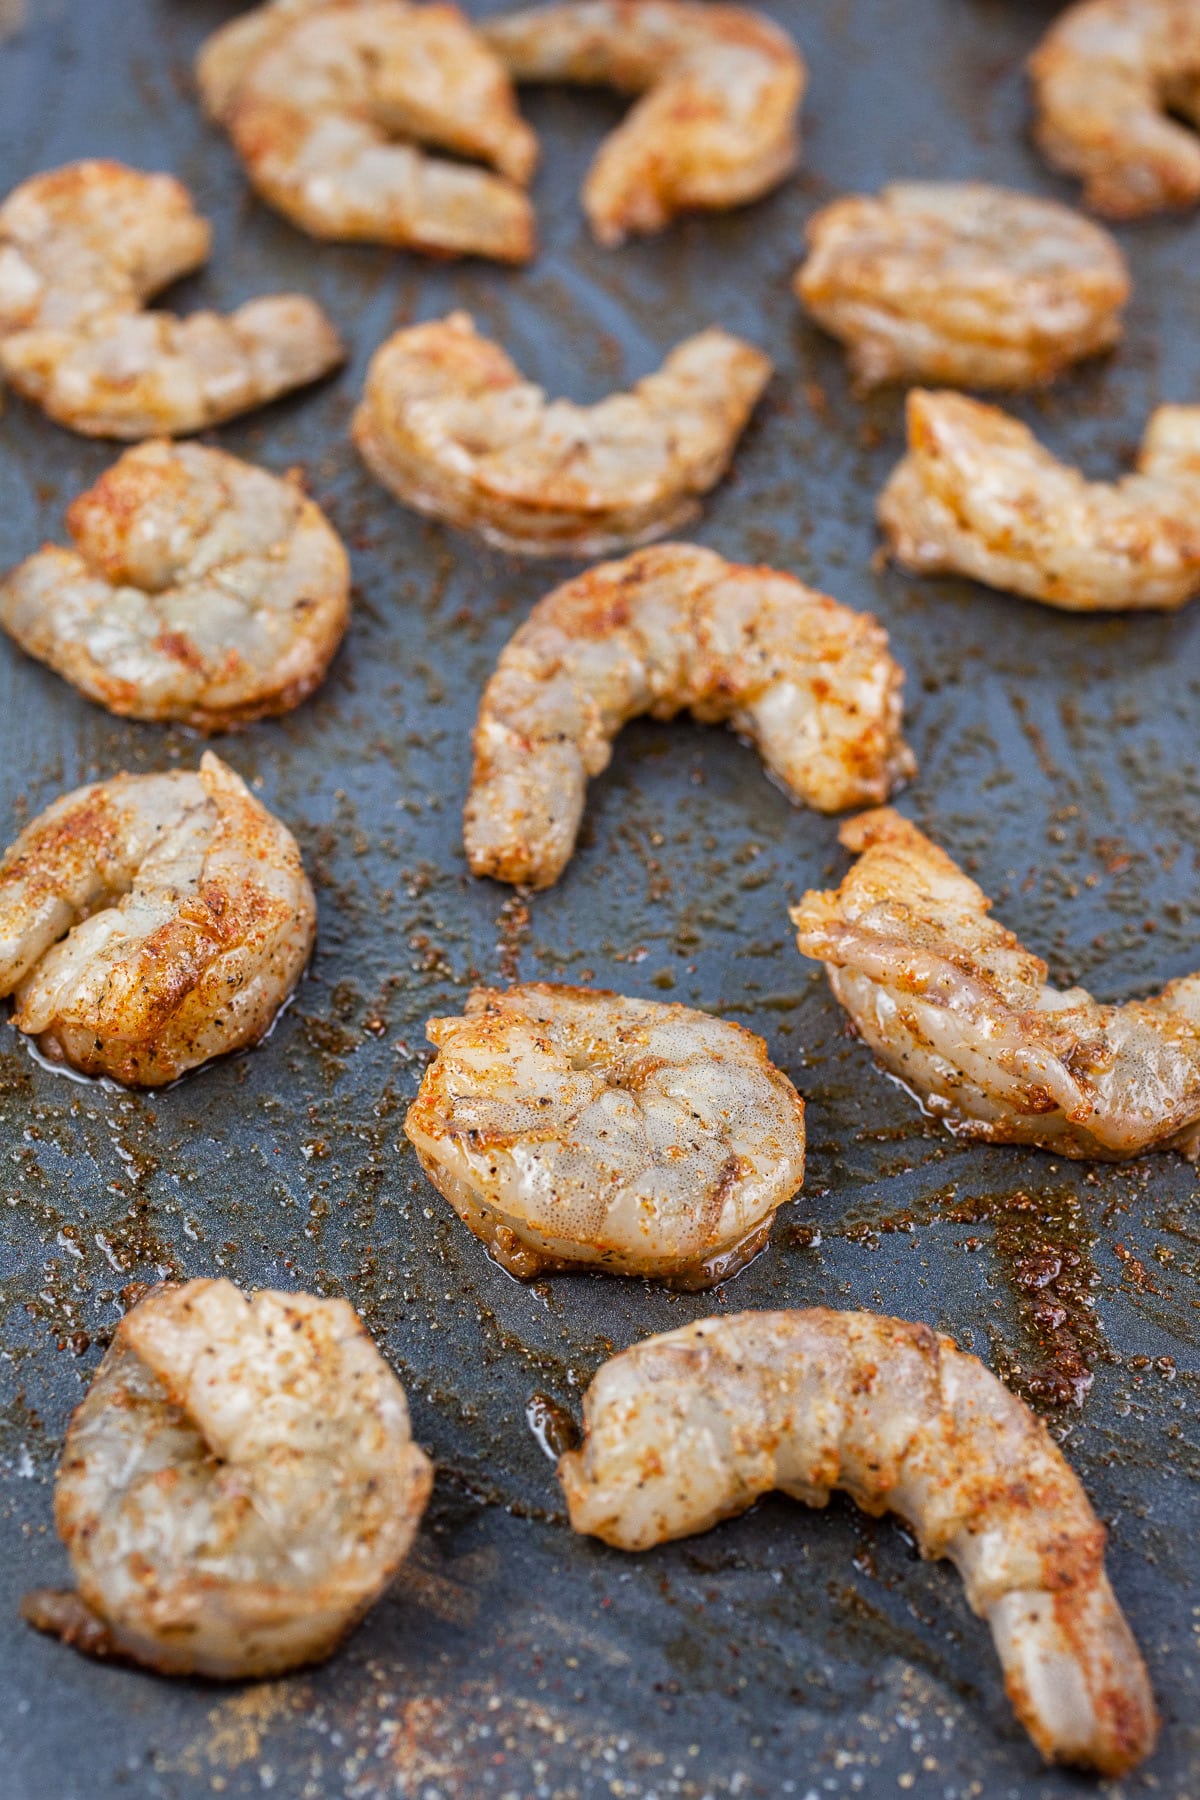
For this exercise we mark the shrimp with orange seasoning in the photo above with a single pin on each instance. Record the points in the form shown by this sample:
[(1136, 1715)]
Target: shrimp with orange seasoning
[(963, 283), (239, 1485), (978, 495), (669, 630), (1107, 77), (150, 922), (719, 91), (693, 1426), (336, 107), (956, 1008), (447, 422), (199, 589), (571, 1128), (82, 250)]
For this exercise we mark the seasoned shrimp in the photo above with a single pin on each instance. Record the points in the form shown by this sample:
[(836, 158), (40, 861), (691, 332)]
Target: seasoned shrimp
[(721, 88), (963, 1015), (571, 1128), (225, 58), (82, 249), (449, 425), (150, 922), (960, 282), (200, 589), (238, 1487), (978, 495), (1106, 78), (669, 630), (691, 1427), (320, 100)]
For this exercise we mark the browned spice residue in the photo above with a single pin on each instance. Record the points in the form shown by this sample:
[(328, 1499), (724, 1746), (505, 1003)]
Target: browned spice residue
[(1136, 1272), (1043, 1245), (513, 924)]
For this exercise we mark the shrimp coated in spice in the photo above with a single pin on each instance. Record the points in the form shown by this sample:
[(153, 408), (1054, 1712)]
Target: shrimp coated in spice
[(669, 630), (963, 283), (82, 250), (978, 495), (328, 102), (200, 589), (150, 922), (449, 425), (720, 91), (962, 1014), (1107, 77), (693, 1426), (572, 1128), (238, 1487)]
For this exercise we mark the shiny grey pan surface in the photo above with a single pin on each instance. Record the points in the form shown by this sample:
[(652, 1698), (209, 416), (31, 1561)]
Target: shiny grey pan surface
[(788, 1652)]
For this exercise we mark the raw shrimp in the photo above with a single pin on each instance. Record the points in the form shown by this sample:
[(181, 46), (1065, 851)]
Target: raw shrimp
[(150, 922), (449, 425), (978, 495), (238, 1487), (960, 282), (721, 88), (963, 1015), (82, 249), (669, 630), (225, 58), (691, 1427), (1106, 78), (321, 100), (200, 589), (571, 1128)]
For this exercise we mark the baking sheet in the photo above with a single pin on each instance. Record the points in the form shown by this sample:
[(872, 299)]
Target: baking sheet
[(788, 1652)]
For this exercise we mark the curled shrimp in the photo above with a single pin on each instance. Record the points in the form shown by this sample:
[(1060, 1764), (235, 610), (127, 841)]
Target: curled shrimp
[(571, 1128), (669, 630), (200, 589), (963, 283), (150, 922), (721, 88), (691, 1427), (82, 249), (954, 1006), (238, 1487), (327, 101), (978, 495), (449, 425), (1106, 78)]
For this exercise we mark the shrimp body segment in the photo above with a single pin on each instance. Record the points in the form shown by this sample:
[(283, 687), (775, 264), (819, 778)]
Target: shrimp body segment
[(327, 103), (1106, 78), (691, 1427), (715, 126), (978, 495), (962, 283), (200, 589), (82, 250), (963, 1015), (449, 425), (150, 922), (668, 630), (572, 1128), (238, 1487)]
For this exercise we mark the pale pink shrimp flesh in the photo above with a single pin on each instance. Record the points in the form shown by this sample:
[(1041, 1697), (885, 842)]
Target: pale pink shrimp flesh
[(82, 250), (669, 630), (955, 1007), (689, 1428)]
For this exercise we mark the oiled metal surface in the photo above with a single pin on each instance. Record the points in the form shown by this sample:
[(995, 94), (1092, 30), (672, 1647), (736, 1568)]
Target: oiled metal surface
[(788, 1652)]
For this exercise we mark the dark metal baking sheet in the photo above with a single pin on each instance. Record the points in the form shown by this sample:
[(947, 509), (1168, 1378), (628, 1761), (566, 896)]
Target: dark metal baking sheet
[(788, 1653)]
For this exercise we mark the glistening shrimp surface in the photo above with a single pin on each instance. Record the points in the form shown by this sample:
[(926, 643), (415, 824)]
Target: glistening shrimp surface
[(1057, 758)]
